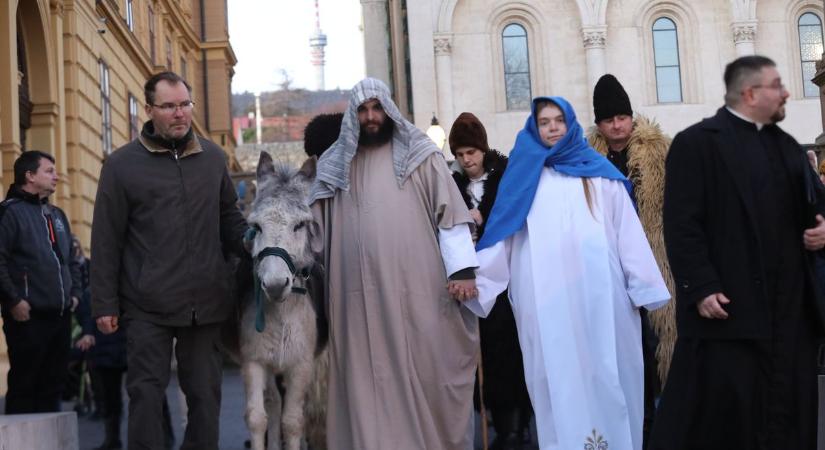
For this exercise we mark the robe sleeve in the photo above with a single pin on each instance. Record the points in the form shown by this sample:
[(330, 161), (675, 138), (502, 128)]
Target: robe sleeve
[(442, 196), (457, 250), (643, 280), (492, 277)]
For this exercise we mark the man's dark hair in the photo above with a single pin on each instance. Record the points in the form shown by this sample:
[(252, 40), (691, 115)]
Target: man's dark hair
[(169, 77), (28, 161), (321, 132), (381, 137), (740, 73)]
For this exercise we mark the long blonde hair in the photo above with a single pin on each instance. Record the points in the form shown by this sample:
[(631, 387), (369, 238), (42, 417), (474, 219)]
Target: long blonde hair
[(540, 105)]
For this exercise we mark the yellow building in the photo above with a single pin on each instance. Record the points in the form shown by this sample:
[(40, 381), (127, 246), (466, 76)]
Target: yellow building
[(71, 84)]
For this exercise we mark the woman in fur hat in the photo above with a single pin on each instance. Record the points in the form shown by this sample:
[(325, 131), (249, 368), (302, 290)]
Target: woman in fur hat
[(479, 170)]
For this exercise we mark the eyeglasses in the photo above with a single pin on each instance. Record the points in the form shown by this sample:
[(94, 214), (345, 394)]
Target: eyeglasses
[(779, 87), (169, 108)]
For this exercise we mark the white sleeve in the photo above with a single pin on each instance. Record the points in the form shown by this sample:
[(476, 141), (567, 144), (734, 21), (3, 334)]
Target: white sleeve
[(492, 277), (645, 285), (457, 249)]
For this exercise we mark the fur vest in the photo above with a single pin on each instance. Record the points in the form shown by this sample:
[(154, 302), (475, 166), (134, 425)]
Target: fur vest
[(646, 155), (494, 165)]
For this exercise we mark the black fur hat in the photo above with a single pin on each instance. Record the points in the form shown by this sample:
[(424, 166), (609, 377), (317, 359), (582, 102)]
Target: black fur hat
[(321, 132), (610, 99)]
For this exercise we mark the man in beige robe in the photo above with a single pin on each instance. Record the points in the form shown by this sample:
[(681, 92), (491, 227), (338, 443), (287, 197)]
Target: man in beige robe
[(403, 353)]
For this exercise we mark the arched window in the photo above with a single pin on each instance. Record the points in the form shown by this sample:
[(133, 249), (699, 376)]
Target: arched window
[(516, 66), (810, 50), (666, 59)]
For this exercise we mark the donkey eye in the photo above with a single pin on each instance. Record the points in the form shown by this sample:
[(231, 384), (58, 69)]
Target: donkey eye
[(298, 226)]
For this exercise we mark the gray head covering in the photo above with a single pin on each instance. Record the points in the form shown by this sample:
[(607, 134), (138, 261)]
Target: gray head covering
[(410, 146)]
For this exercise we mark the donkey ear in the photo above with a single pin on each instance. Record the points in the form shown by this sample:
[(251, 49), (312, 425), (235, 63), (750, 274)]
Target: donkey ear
[(308, 167), (265, 165)]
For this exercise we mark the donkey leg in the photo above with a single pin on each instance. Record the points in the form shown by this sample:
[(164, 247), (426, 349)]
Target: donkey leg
[(297, 382), (273, 411), (254, 379)]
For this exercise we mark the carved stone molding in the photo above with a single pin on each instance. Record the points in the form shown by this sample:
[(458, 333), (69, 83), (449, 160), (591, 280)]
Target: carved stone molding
[(594, 38), (744, 32), (56, 7), (442, 46)]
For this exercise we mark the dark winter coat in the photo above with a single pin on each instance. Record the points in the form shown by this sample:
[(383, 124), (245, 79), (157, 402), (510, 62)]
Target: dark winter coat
[(710, 234), (163, 212), (494, 164), (31, 266)]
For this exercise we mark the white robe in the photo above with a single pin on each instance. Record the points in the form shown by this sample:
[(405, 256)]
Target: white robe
[(576, 282)]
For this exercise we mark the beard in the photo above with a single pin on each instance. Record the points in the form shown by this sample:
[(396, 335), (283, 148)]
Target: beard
[(377, 138), (779, 115)]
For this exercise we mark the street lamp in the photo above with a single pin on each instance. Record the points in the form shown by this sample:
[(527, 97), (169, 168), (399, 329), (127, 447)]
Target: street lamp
[(437, 134)]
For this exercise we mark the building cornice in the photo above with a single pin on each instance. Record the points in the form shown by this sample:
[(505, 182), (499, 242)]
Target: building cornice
[(223, 46), (127, 39), (184, 27)]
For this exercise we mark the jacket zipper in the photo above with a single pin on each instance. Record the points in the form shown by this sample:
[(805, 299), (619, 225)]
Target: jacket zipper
[(59, 267), (26, 285), (194, 315)]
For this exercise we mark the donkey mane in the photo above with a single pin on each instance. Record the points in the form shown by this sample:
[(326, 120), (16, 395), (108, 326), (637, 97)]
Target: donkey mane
[(282, 183)]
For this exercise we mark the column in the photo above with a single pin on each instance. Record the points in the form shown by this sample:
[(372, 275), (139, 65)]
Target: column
[(744, 35), (377, 39), (594, 51), (442, 45)]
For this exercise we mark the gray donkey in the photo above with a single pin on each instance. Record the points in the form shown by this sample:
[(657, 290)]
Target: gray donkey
[(281, 331)]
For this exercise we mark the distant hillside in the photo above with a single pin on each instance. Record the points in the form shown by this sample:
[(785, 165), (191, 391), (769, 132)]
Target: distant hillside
[(293, 102)]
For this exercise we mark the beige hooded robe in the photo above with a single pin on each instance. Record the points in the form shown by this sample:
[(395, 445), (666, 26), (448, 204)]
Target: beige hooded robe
[(402, 353)]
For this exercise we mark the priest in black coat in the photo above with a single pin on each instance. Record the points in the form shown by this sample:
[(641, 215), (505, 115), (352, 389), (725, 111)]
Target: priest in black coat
[(744, 228)]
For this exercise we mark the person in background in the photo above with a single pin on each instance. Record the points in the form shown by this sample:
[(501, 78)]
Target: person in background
[(39, 286), (478, 174)]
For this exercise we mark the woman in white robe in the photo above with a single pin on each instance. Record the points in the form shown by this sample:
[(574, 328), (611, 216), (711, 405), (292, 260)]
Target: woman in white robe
[(567, 240)]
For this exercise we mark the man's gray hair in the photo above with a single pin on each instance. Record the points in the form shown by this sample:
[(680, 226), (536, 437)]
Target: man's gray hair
[(740, 74)]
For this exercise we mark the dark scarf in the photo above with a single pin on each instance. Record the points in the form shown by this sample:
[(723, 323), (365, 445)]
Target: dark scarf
[(148, 133)]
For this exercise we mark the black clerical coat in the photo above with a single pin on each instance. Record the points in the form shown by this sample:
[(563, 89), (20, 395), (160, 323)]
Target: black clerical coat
[(711, 229)]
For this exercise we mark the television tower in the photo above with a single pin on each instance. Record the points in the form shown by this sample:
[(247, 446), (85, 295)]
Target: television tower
[(317, 43)]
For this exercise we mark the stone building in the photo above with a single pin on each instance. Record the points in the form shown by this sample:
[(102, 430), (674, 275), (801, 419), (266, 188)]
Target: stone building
[(491, 56), (71, 83)]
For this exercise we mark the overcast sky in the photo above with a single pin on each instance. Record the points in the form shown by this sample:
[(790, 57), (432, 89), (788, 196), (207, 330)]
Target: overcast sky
[(270, 35)]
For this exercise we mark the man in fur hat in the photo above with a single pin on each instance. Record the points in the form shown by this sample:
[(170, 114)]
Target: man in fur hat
[(479, 171), (397, 243), (637, 147)]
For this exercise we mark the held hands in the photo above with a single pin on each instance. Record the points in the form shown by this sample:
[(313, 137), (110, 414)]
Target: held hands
[(475, 214), (814, 238), (462, 290), (20, 312), (711, 306), (107, 324)]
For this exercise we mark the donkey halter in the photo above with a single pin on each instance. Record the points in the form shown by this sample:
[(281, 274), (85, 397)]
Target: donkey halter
[(277, 252)]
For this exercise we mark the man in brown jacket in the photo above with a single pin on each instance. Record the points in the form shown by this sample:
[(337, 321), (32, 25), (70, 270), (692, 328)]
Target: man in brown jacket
[(164, 214)]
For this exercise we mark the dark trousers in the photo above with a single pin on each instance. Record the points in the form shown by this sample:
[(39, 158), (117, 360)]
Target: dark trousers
[(149, 352), (111, 387), (39, 359)]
